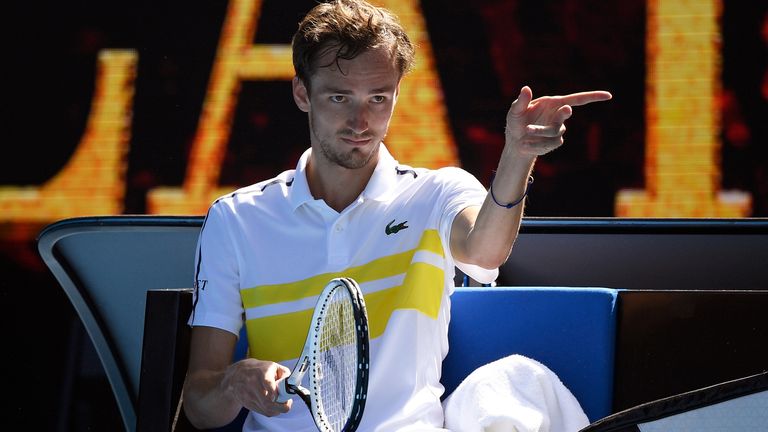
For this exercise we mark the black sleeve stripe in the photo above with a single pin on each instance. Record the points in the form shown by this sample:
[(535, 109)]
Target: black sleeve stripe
[(405, 171)]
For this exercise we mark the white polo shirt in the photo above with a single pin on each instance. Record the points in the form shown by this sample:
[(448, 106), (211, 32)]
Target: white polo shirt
[(267, 250)]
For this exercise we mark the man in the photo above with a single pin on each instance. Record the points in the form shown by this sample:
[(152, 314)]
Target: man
[(350, 209)]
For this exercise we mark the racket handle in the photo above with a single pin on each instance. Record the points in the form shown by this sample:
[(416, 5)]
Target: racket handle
[(283, 395)]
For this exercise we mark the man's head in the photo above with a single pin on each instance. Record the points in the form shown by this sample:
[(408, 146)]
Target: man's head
[(353, 56), (347, 28)]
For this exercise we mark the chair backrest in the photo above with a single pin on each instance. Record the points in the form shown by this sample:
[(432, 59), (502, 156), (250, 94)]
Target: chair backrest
[(570, 330), (661, 254), (672, 342), (164, 360), (105, 266)]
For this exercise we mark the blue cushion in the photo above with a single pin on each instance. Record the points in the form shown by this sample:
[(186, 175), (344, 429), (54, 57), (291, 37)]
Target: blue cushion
[(570, 330)]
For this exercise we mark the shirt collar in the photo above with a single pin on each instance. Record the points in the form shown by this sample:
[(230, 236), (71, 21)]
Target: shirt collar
[(382, 184), (299, 192), (380, 187)]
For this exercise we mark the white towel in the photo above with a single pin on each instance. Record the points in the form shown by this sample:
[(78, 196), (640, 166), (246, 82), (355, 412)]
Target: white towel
[(514, 394)]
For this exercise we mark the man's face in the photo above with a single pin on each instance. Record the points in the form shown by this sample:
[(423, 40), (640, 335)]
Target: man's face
[(350, 106)]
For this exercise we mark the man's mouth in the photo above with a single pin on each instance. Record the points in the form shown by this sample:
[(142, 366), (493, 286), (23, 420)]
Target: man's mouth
[(357, 141)]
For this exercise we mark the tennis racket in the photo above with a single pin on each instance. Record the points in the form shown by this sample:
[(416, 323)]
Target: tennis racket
[(335, 358)]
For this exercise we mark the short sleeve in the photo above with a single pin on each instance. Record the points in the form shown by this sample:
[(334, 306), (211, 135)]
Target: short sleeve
[(217, 301), (461, 190)]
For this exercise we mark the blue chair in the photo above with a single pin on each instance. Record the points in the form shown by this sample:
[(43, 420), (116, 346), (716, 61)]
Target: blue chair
[(570, 330)]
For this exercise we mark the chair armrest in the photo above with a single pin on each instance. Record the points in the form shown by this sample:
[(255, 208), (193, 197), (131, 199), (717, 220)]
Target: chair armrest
[(164, 358)]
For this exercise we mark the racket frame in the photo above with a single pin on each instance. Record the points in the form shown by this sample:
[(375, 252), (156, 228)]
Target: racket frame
[(305, 363)]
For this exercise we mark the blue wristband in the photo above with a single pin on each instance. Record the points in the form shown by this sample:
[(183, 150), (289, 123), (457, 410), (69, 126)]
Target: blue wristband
[(514, 203)]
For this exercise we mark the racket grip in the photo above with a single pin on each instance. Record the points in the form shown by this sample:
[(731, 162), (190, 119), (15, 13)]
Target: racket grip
[(283, 395)]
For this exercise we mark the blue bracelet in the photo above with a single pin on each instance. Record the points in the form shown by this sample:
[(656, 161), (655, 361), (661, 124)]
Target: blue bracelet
[(512, 204)]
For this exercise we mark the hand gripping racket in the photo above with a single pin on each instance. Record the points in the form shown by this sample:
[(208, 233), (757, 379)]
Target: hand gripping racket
[(336, 356)]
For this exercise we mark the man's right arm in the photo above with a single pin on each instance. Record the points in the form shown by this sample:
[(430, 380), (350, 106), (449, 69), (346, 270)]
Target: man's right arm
[(215, 389)]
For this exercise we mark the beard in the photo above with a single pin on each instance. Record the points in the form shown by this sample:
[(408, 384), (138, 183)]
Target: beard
[(354, 158)]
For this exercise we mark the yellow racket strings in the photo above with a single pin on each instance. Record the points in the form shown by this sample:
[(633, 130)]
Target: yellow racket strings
[(336, 363)]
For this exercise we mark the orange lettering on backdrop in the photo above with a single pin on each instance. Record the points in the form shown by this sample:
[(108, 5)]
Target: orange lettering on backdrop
[(419, 132), (92, 182), (682, 162), (682, 145)]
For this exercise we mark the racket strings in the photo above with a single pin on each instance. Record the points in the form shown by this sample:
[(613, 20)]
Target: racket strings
[(336, 363)]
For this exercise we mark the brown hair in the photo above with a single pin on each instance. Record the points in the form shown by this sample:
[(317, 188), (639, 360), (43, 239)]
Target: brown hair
[(348, 27)]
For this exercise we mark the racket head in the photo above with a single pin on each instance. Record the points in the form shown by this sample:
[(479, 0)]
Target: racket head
[(339, 358)]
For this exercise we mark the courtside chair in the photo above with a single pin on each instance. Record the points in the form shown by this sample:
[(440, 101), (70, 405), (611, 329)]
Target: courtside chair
[(115, 269), (106, 265)]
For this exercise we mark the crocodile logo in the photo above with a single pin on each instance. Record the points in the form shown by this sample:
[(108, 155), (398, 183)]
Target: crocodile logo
[(395, 229)]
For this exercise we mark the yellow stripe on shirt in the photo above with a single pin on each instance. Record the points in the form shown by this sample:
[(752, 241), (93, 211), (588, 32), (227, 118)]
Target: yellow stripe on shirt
[(379, 268), (422, 291), (281, 337)]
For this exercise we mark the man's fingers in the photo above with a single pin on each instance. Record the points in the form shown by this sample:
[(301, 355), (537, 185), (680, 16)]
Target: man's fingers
[(283, 407), (545, 131), (275, 373), (583, 98), (520, 105), (256, 386), (553, 129), (269, 409), (545, 117), (541, 145), (282, 371), (264, 402), (563, 113)]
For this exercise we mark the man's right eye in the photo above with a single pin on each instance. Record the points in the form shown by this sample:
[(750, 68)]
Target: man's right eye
[(337, 98)]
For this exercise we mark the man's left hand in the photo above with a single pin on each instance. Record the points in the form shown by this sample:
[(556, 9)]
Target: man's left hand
[(536, 126)]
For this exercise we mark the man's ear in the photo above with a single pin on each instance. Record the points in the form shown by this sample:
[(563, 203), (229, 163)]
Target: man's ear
[(300, 94)]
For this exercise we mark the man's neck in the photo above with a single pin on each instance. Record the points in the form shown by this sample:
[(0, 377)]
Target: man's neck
[(337, 186)]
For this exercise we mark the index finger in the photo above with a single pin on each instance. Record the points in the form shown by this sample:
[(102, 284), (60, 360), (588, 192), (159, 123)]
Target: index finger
[(583, 98)]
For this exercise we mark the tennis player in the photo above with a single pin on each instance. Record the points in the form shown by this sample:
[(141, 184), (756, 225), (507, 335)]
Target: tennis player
[(349, 208)]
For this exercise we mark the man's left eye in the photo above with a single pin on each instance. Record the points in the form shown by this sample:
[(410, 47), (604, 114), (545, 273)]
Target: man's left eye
[(378, 99)]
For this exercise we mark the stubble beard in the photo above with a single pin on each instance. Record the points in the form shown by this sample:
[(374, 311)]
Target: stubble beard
[(352, 159), (355, 158)]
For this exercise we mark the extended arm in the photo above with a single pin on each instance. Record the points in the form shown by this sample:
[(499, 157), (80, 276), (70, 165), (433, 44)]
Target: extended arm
[(215, 389), (484, 235)]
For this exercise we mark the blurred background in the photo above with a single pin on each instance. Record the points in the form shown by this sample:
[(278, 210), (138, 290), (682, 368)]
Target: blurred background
[(134, 107)]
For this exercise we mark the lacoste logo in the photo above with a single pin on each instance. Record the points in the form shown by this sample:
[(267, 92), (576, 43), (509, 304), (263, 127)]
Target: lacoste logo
[(395, 229)]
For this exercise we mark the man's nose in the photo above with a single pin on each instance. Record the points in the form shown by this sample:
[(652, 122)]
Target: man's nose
[(358, 120)]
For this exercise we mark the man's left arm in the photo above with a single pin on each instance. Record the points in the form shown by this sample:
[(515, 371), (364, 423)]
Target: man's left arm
[(484, 235)]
